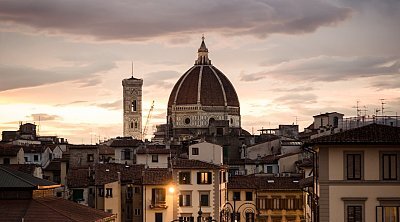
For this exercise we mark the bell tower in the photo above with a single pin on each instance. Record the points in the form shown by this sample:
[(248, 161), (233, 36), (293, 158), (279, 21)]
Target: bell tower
[(132, 107)]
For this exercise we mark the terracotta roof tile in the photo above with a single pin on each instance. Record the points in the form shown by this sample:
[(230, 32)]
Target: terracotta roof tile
[(157, 176), (125, 142), (106, 150), (53, 166), (49, 209), (25, 168), (9, 150), (78, 178), (193, 164), (155, 151), (263, 182), (369, 134), (107, 173)]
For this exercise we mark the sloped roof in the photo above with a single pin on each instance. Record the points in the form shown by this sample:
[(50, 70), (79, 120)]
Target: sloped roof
[(106, 150), (107, 173), (83, 146), (369, 134), (25, 168), (78, 178), (263, 182), (34, 148), (157, 176), (54, 165), (125, 142), (155, 151), (9, 149), (49, 209), (193, 164), (10, 178)]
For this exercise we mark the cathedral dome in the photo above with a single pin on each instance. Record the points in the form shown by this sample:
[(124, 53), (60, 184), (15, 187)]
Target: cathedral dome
[(203, 85)]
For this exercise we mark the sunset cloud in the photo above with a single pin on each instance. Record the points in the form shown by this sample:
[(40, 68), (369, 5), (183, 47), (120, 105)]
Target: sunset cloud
[(127, 20), (14, 77), (329, 68)]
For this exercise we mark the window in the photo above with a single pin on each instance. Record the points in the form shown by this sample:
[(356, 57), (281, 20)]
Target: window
[(249, 196), (131, 125), (136, 125), (354, 209), (389, 166), (101, 192), (354, 213), (26, 159), (270, 169), (353, 166), (389, 210), (184, 178), (185, 199), (204, 199), (236, 195), (249, 217), (224, 177), (35, 158), (195, 151), (154, 158), (387, 213), (90, 157), (109, 192), (335, 121), (126, 154), (137, 212), (204, 178), (77, 195), (159, 217), (134, 107), (129, 193), (187, 218), (158, 196)]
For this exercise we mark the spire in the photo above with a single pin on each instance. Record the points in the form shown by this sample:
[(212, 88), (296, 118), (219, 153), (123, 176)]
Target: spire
[(202, 52)]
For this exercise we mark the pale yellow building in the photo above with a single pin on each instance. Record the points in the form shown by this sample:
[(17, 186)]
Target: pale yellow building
[(359, 175)]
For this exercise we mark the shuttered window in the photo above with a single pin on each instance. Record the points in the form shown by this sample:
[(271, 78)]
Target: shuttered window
[(354, 166), (354, 213)]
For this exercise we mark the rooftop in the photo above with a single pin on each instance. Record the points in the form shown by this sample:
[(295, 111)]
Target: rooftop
[(369, 134), (11, 178), (49, 209)]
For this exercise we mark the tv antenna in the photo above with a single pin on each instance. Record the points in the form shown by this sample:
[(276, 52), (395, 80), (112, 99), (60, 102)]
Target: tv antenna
[(357, 108), (382, 103)]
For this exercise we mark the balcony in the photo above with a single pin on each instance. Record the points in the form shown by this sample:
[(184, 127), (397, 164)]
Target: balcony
[(158, 205)]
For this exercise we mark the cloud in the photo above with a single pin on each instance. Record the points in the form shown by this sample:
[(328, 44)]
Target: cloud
[(71, 103), (164, 79), (111, 106), (14, 77), (389, 82), (294, 99), (44, 117), (329, 68), (131, 20)]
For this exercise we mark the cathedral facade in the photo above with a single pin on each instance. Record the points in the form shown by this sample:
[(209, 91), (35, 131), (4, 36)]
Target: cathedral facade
[(203, 102)]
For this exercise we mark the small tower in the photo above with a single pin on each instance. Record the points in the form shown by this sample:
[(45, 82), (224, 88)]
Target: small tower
[(132, 99)]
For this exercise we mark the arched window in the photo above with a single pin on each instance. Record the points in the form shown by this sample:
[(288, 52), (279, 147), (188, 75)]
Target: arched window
[(134, 106), (131, 124), (335, 121), (136, 124)]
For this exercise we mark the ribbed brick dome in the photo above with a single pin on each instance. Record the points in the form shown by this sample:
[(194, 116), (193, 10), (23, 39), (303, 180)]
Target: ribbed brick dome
[(204, 85)]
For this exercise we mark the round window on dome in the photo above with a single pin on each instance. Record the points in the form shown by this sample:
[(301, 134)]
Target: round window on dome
[(187, 120)]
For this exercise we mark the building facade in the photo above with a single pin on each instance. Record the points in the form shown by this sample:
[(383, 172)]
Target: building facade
[(132, 107), (358, 174)]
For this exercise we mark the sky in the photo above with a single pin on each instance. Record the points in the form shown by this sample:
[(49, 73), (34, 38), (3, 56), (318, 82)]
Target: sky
[(62, 62)]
